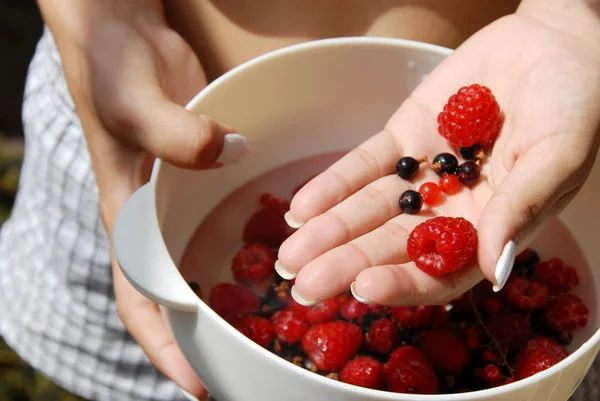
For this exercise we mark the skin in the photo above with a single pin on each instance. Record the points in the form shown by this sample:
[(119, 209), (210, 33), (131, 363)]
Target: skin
[(130, 66), (354, 229)]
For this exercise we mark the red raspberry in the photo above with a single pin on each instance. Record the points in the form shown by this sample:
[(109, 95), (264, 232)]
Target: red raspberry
[(558, 277), (446, 351), (256, 328), (540, 353), (383, 336), (363, 371), (510, 329), (415, 317), (566, 312), (330, 345), (525, 295), (253, 264), (289, 326), (442, 245), (325, 311), (471, 116), (492, 305), (409, 371), (267, 226), (376, 309), (491, 374), (231, 300), (296, 307), (351, 309)]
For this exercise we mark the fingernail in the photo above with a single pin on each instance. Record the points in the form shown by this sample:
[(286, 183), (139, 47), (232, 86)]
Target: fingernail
[(283, 272), (301, 300), (358, 297), (291, 221), (188, 395), (235, 148), (505, 265)]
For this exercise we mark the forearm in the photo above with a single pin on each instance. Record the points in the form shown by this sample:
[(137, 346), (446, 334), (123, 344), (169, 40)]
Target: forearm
[(577, 17)]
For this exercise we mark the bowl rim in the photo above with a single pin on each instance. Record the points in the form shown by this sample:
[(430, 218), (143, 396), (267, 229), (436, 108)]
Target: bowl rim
[(306, 46), (381, 394)]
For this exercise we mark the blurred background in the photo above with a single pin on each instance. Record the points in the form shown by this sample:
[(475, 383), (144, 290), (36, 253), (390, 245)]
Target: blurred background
[(20, 29)]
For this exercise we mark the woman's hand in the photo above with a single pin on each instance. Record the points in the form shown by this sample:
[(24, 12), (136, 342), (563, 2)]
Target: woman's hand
[(129, 75), (543, 65)]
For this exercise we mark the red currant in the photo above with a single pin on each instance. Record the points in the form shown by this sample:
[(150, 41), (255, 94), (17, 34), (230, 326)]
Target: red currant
[(450, 184), (492, 374), (430, 192), (489, 355)]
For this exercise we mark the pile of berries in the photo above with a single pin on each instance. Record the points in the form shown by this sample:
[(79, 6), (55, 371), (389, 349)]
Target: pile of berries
[(470, 120), (480, 340)]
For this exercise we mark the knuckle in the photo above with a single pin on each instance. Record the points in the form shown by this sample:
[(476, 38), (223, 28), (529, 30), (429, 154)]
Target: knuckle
[(447, 297), (406, 285), (396, 230), (379, 198), (369, 161), (203, 133), (118, 116), (343, 181), (360, 254), (335, 219)]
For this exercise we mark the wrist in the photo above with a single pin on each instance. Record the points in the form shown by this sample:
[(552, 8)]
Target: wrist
[(577, 17)]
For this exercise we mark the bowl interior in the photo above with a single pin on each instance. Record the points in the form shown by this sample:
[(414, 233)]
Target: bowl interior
[(301, 109)]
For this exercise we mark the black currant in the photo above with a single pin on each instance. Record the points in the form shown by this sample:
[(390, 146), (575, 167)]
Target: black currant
[(407, 167), (410, 202), (444, 163), (473, 153), (564, 338), (468, 173)]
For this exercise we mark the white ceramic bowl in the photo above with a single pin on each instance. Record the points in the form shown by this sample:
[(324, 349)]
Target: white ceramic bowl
[(294, 103)]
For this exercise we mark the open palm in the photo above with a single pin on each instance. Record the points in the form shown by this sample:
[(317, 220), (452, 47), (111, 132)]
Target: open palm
[(548, 85)]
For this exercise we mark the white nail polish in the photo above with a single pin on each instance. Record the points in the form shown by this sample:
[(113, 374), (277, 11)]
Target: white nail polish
[(283, 272), (188, 395), (235, 148), (505, 265), (302, 301), (358, 297), (289, 219)]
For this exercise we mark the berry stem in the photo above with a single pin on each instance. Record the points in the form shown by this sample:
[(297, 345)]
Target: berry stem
[(489, 334)]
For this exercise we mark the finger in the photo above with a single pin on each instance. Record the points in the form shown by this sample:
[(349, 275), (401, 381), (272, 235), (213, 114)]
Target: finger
[(143, 320), (374, 159), (406, 284), (180, 137), (140, 316), (357, 215), (538, 187), (333, 272)]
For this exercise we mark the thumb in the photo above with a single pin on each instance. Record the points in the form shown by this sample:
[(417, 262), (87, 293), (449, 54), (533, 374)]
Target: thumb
[(539, 186), (180, 137)]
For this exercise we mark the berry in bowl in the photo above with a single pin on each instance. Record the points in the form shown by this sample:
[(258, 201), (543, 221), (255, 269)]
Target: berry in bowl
[(203, 245)]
